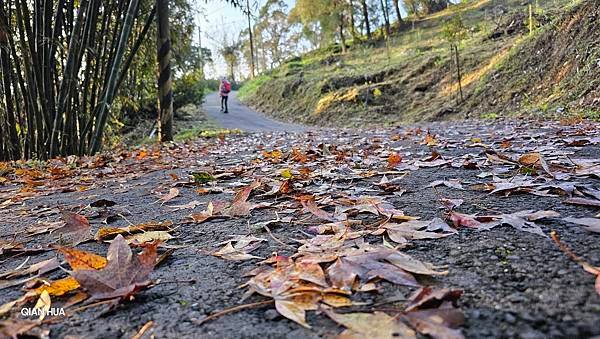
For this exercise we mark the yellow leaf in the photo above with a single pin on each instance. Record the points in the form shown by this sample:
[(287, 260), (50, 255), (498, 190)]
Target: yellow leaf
[(287, 173), (111, 232), (59, 287), (82, 260), (43, 304), (142, 238)]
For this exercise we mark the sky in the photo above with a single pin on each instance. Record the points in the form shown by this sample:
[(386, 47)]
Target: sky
[(219, 17)]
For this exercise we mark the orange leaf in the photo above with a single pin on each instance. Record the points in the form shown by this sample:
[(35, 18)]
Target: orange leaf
[(82, 260), (529, 159), (394, 159)]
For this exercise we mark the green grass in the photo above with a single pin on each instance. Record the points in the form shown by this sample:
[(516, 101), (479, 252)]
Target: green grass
[(250, 87), (201, 132), (410, 58)]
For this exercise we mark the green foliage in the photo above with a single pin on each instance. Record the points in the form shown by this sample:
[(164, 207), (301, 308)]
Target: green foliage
[(489, 116), (454, 30), (202, 132), (189, 89), (252, 86), (423, 7)]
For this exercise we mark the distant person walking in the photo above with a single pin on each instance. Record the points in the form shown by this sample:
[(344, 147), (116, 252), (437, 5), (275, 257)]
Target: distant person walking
[(224, 89)]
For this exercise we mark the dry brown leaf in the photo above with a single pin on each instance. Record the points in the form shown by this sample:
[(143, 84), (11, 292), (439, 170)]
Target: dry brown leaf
[(124, 274), (75, 231), (590, 224), (173, 193), (371, 325)]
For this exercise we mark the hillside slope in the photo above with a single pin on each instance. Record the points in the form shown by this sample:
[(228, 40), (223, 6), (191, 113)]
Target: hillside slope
[(505, 70)]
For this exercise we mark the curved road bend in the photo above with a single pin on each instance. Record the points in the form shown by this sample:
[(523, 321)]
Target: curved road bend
[(243, 117)]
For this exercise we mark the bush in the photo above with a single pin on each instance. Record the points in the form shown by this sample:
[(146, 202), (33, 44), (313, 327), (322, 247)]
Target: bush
[(188, 89)]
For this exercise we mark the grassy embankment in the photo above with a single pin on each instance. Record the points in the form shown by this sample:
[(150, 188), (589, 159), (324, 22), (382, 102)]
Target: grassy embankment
[(505, 70)]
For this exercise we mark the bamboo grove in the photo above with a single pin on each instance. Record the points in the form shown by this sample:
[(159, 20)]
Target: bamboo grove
[(62, 62)]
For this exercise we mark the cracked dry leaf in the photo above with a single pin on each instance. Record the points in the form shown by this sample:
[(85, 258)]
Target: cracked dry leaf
[(106, 233), (296, 287), (590, 224), (294, 307), (376, 325), (124, 274), (428, 297), (146, 237), (441, 323), (43, 304), (367, 266), (6, 246), (311, 206), (583, 202), (173, 193), (412, 230), (241, 250), (452, 183)]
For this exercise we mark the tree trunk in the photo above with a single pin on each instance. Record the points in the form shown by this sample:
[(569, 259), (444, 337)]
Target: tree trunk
[(365, 9), (386, 17), (101, 114), (458, 73), (232, 72), (342, 37), (165, 84), (352, 21), (398, 14), (13, 149), (251, 40)]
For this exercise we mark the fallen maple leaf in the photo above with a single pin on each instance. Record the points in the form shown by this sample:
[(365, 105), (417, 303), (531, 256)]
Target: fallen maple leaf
[(75, 231), (413, 229), (590, 224), (110, 232), (124, 274), (394, 159), (583, 202), (241, 249), (371, 325), (529, 159), (452, 183), (173, 193)]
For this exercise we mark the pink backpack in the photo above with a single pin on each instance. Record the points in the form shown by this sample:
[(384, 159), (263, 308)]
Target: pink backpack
[(226, 87)]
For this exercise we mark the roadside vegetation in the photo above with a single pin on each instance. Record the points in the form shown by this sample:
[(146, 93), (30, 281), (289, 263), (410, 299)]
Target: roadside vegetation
[(512, 64)]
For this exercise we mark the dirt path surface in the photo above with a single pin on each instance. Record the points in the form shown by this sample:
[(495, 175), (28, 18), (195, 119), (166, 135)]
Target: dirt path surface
[(335, 207), (243, 118)]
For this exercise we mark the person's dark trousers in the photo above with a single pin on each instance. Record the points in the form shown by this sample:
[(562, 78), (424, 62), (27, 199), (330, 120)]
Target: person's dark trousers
[(224, 104)]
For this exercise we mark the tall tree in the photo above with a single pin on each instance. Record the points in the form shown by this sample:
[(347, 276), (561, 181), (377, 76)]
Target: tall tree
[(328, 14), (365, 10), (386, 17), (398, 13), (251, 39), (272, 33), (230, 52), (165, 81), (352, 20)]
